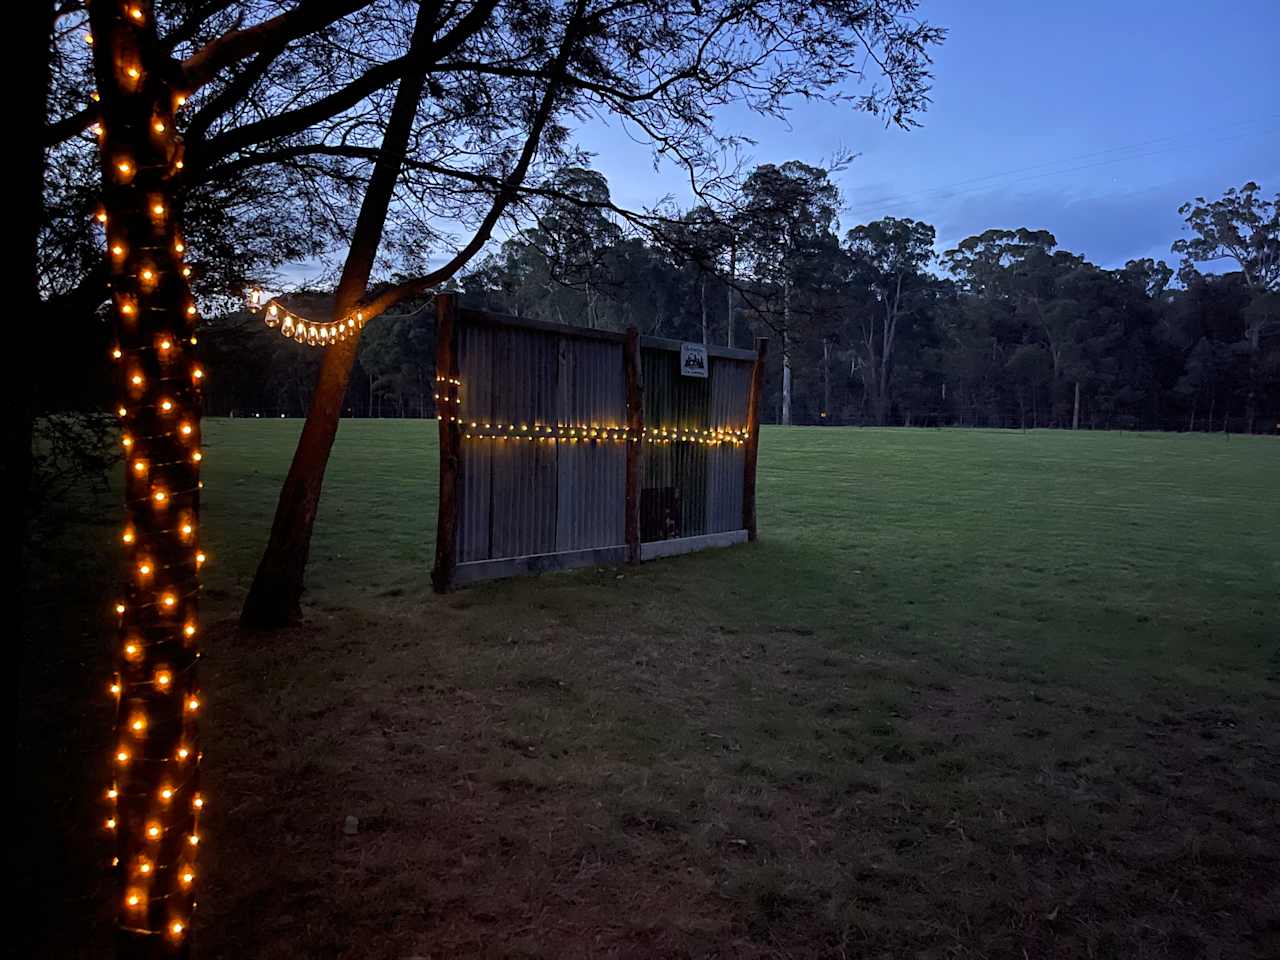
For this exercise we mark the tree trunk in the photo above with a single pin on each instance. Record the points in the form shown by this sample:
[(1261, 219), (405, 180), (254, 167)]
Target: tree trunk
[(882, 402), (275, 596), (786, 354), (1075, 412), (31, 34), (733, 279), (702, 296), (154, 320), (826, 379)]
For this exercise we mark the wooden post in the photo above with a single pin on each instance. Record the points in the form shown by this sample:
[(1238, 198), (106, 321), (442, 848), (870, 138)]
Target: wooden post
[(635, 441), (753, 440), (447, 408)]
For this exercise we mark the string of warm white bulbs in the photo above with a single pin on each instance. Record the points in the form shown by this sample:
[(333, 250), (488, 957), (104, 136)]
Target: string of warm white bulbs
[(299, 328)]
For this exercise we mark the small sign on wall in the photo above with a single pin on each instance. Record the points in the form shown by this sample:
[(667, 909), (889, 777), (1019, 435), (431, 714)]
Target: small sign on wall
[(693, 359)]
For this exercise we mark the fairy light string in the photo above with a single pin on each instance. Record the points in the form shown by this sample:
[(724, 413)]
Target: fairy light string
[(153, 804), (448, 397)]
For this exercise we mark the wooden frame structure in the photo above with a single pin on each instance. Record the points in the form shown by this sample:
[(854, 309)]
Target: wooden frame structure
[(565, 447)]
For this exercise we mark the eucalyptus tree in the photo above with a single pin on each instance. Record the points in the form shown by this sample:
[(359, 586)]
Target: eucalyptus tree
[(787, 220), (396, 132), (1242, 227), (889, 259), (503, 80)]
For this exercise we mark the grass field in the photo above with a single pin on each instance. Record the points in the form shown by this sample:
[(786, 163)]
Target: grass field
[(974, 694)]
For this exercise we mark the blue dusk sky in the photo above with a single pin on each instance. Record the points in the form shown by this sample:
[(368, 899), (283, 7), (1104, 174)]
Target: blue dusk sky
[(1093, 120)]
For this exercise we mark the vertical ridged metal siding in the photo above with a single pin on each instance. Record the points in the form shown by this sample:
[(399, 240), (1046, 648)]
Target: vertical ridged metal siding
[(520, 498)]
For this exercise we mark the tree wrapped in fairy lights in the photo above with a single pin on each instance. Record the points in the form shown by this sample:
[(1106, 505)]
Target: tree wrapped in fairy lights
[(154, 800)]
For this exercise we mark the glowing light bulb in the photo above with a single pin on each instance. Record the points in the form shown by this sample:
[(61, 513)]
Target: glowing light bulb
[(198, 802), (117, 250), (111, 823), (158, 126), (194, 839), (122, 411), (115, 689), (133, 899), (116, 353), (136, 379), (132, 651), (126, 308), (160, 496), (144, 867), (102, 216), (158, 209), (127, 536), (176, 928), (191, 310), (112, 793), (124, 167), (186, 529), (163, 679), (166, 405), (193, 704), (197, 456), (186, 271), (135, 12), (153, 830), (188, 877), (183, 753), (178, 247), (144, 568), (88, 38), (122, 756), (120, 608), (134, 72), (139, 466), (169, 600), (138, 724), (148, 274), (200, 558), (198, 373), (166, 793), (189, 630), (185, 429)]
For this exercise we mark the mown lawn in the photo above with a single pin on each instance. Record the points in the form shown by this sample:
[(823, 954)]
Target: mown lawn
[(974, 694)]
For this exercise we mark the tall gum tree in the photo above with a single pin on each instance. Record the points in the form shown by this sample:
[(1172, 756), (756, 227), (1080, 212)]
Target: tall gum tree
[(513, 76), (787, 219), (291, 105)]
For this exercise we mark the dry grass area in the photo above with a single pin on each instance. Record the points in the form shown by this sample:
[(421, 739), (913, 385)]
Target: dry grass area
[(974, 695)]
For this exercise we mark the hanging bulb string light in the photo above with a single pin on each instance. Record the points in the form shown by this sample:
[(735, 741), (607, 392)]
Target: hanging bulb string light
[(154, 803), (296, 327)]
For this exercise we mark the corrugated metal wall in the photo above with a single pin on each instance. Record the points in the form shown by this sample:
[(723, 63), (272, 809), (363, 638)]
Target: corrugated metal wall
[(525, 498)]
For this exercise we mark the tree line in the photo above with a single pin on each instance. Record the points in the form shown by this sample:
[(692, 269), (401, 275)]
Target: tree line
[(871, 324)]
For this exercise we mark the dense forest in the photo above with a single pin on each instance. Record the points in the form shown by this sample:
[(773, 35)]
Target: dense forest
[(868, 325)]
